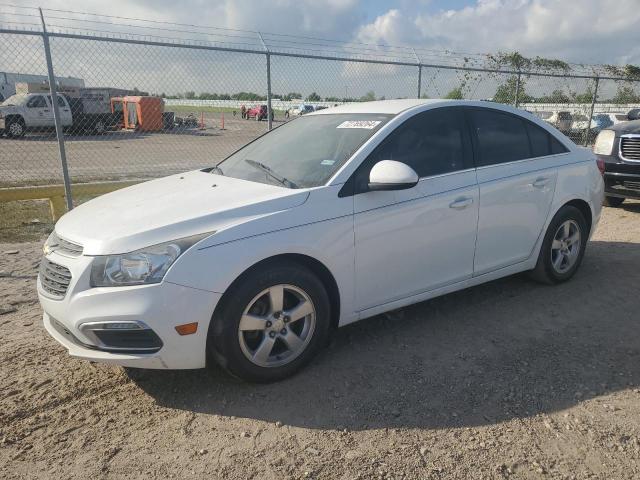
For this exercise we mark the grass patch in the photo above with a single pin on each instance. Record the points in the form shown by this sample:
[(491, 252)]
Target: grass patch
[(24, 221), (28, 220)]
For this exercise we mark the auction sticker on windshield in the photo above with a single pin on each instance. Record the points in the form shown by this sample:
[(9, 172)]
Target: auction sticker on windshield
[(366, 124)]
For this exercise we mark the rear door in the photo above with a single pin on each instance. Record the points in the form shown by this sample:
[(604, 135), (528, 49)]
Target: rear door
[(64, 109), (517, 177), (411, 241)]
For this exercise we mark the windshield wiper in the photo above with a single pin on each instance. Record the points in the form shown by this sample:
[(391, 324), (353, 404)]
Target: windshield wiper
[(217, 170), (261, 166)]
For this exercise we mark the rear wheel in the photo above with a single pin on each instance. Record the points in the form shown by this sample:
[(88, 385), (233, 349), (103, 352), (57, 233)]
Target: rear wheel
[(612, 201), (270, 323), (563, 247), (99, 127)]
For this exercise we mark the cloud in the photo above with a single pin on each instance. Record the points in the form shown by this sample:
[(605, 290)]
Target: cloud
[(589, 31)]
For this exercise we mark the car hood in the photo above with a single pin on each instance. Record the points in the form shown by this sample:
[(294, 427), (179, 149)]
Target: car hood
[(623, 128), (170, 208)]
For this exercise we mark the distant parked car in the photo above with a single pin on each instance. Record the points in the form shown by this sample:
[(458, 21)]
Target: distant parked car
[(562, 120), (301, 110), (259, 112), (618, 151)]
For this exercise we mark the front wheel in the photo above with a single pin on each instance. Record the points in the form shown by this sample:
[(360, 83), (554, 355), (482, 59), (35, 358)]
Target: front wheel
[(15, 128), (612, 201), (270, 323), (563, 247)]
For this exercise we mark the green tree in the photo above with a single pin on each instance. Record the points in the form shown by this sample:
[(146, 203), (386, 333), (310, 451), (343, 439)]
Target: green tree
[(313, 97), (506, 92), (586, 97), (626, 95), (455, 94), (190, 95), (368, 97)]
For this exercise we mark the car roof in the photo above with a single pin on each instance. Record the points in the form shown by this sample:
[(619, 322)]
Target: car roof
[(395, 107)]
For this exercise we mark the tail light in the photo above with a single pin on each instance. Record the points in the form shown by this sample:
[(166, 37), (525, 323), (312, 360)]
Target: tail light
[(600, 163)]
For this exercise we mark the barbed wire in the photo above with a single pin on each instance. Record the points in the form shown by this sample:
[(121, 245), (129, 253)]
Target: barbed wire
[(74, 22)]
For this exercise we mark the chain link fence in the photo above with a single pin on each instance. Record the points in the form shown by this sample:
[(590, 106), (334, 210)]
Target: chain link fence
[(140, 99)]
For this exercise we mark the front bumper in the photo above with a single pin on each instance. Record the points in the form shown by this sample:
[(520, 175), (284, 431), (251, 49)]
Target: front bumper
[(623, 185), (161, 306), (621, 178)]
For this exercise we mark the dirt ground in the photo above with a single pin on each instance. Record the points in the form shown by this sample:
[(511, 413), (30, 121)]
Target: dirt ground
[(507, 380)]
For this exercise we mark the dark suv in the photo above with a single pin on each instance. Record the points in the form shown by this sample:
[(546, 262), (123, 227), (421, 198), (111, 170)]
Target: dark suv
[(618, 151)]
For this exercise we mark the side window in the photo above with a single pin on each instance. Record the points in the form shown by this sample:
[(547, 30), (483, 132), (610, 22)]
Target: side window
[(557, 147), (501, 137), (542, 142), (37, 102), (432, 143), (60, 101)]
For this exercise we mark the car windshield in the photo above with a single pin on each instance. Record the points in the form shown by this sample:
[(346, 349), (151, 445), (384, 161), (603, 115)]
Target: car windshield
[(304, 152)]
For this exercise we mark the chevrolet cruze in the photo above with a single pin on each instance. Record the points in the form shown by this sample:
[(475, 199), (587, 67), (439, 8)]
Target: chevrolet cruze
[(334, 217)]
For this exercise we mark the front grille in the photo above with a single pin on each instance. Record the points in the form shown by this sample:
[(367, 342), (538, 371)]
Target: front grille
[(64, 247), (54, 278), (630, 148), (632, 185)]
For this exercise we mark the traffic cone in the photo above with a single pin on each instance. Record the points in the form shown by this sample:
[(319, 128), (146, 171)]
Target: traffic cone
[(222, 121), (202, 127)]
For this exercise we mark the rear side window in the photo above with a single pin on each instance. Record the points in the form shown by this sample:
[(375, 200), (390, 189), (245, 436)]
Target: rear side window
[(501, 137), (557, 147)]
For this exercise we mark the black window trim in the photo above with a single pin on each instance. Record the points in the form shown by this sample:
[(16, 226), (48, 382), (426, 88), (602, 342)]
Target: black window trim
[(348, 188), (474, 138)]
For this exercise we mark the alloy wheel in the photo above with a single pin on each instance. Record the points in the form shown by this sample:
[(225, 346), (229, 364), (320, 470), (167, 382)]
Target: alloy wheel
[(565, 247), (277, 326), (15, 129)]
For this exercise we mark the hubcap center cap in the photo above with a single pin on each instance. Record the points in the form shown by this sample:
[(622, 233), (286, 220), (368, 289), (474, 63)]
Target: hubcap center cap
[(278, 324)]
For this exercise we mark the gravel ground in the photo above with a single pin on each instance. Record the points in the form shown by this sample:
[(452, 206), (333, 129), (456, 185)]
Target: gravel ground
[(506, 380)]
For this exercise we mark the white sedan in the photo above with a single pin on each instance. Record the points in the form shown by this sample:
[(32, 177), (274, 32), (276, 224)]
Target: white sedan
[(337, 216)]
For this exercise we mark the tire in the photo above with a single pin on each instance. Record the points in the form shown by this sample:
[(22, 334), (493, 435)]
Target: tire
[(239, 350), (15, 128), (550, 268), (99, 127), (612, 201)]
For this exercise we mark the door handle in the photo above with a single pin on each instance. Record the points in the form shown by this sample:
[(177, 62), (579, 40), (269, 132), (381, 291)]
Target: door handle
[(540, 182), (460, 203)]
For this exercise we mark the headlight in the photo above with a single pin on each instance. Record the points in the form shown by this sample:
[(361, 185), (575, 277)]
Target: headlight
[(604, 142), (141, 267)]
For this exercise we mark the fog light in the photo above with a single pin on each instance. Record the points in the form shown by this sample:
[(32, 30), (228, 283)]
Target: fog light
[(123, 337)]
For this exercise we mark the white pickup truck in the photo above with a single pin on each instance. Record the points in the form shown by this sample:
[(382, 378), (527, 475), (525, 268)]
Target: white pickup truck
[(34, 111)]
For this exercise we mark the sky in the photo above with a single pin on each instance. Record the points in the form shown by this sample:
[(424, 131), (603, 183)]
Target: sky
[(580, 31), (577, 31)]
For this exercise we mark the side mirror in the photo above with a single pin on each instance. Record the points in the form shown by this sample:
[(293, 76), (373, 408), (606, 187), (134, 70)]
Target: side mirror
[(392, 175)]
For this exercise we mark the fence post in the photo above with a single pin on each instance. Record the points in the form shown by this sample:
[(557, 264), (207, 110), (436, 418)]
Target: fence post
[(56, 114), (593, 106), (269, 110), (419, 72), (516, 100)]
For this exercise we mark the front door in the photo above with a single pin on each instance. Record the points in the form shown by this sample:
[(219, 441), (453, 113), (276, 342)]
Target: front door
[(38, 112), (411, 241)]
